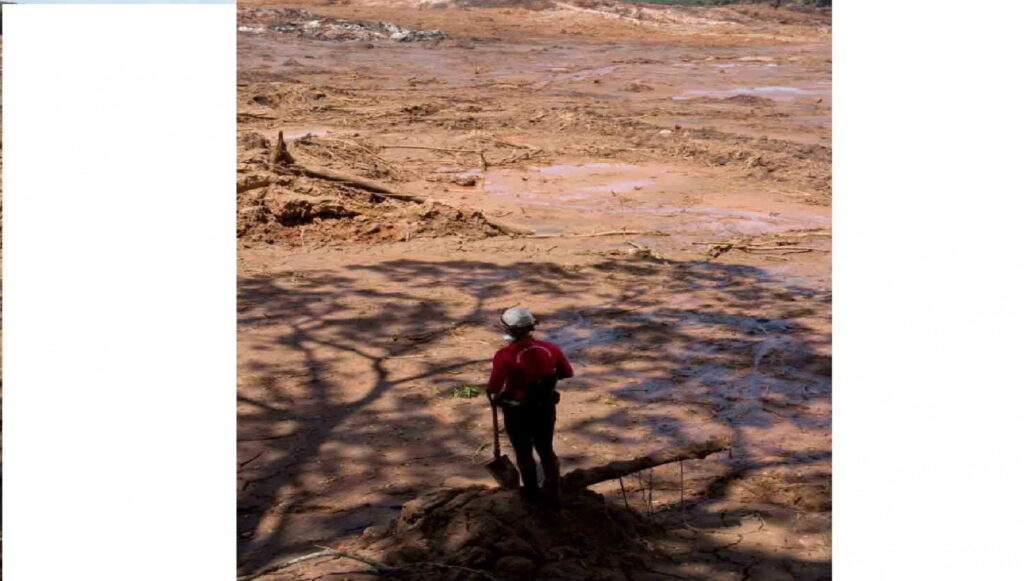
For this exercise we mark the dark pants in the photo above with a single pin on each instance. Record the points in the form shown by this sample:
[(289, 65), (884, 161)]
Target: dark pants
[(530, 427)]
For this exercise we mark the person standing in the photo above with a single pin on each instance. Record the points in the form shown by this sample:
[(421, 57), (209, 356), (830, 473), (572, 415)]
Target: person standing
[(524, 375)]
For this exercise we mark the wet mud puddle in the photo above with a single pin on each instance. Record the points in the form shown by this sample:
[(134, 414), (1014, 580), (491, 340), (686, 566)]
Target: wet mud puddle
[(565, 185), (771, 92), (291, 133), (597, 196)]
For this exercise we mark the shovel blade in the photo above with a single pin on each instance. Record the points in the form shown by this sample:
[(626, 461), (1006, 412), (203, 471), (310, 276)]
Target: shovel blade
[(504, 472)]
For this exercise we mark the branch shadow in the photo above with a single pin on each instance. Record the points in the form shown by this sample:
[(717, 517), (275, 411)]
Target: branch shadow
[(335, 381)]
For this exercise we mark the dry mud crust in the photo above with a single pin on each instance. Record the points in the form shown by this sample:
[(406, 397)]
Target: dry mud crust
[(590, 20), (494, 530), (805, 490), (264, 95), (762, 157), (317, 27)]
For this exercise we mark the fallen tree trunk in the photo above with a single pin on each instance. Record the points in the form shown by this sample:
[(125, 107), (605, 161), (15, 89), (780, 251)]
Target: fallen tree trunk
[(349, 180), (584, 477), (353, 181), (283, 161)]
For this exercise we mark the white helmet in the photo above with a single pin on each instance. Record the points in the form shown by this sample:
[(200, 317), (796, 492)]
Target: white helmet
[(518, 318)]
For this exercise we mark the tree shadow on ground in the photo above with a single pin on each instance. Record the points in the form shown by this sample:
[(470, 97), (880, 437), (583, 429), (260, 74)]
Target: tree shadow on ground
[(335, 371)]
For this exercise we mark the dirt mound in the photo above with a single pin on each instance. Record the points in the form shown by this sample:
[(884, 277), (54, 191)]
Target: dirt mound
[(495, 531), (298, 209), (308, 25), (301, 213)]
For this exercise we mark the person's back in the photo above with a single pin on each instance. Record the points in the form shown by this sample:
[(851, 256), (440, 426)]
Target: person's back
[(522, 367), (523, 379)]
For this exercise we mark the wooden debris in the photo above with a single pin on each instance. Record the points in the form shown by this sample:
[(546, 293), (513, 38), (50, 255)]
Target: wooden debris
[(716, 249), (622, 488), (805, 234), (584, 477), (252, 184), (514, 231), (356, 182), (639, 251), (280, 155), (607, 233), (285, 163)]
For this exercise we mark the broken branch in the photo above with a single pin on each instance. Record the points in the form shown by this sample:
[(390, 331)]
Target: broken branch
[(284, 162), (514, 231), (242, 187), (280, 154), (716, 249), (584, 477), (608, 233), (761, 247)]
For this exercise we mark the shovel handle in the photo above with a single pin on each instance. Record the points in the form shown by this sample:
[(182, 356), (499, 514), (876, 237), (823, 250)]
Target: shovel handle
[(494, 421)]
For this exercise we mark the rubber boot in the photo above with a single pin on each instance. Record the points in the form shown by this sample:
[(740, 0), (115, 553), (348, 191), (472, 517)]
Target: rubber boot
[(531, 494)]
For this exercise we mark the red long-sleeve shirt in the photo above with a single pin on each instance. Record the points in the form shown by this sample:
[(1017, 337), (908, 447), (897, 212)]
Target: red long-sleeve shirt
[(519, 366)]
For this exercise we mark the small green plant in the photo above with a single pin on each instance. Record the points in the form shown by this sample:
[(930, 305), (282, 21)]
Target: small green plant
[(466, 391)]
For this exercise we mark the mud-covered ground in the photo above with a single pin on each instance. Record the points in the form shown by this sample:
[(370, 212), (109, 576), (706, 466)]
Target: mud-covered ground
[(703, 133)]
